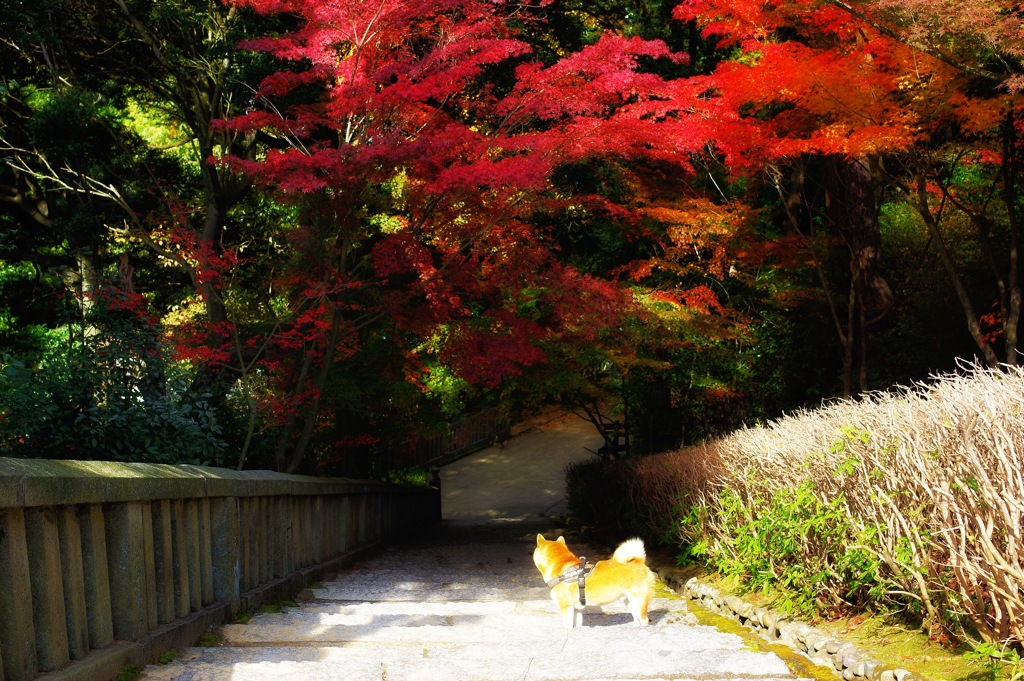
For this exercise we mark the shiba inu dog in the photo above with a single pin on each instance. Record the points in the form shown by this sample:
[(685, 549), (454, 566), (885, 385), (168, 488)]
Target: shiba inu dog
[(624, 574)]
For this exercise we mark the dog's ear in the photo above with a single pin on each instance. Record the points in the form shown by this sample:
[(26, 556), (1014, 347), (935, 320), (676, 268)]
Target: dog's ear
[(561, 540), (540, 539)]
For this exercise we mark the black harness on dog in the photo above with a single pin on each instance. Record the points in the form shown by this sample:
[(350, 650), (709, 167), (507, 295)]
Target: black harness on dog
[(580, 573)]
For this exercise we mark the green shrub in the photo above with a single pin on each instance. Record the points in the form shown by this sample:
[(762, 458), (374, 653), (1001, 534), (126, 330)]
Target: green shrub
[(106, 391), (789, 541), (416, 476)]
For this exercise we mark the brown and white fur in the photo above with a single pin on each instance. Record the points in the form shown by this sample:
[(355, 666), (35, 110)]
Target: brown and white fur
[(624, 574)]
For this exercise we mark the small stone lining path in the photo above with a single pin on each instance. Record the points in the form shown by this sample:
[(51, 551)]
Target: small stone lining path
[(464, 602)]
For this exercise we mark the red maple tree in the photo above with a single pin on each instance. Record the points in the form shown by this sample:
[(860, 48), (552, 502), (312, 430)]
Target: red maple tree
[(417, 141), (861, 98)]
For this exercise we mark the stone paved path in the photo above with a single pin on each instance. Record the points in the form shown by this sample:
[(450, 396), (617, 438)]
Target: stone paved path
[(465, 603)]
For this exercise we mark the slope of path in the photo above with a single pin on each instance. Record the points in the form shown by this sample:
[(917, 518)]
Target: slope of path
[(465, 603), (522, 478)]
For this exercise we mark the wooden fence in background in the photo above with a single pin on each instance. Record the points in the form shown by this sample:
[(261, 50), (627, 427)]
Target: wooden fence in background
[(468, 434)]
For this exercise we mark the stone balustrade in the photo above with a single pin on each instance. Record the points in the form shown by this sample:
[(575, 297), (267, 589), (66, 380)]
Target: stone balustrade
[(105, 564)]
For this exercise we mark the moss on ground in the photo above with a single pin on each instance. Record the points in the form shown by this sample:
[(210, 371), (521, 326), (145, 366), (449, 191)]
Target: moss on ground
[(888, 642), (208, 639), (799, 664), (899, 646)]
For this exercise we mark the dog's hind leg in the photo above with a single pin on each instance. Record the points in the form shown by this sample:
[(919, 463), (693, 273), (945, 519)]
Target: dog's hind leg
[(638, 608)]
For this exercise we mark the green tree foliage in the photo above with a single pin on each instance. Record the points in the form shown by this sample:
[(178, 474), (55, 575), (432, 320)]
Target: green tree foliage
[(103, 389), (105, 129)]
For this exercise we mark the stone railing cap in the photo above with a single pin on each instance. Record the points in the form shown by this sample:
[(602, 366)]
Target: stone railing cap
[(44, 482)]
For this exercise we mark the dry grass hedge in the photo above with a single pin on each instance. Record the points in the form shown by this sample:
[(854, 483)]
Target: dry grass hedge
[(911, 499)]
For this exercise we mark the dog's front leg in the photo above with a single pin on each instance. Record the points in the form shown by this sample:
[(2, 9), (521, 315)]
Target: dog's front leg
[(572, 617)]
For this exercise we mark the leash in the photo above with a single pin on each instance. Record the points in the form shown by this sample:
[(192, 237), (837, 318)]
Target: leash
[(578, 573)]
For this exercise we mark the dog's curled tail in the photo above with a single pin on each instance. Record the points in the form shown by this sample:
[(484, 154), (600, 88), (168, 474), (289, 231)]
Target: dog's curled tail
[(631, 550)]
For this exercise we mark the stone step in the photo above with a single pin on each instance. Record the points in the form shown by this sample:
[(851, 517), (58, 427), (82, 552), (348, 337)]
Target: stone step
[(476, 621), (595, 653)]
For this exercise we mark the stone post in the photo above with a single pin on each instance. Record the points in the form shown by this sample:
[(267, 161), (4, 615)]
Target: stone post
[(126, 564), (17, 632), (47, 582), (224, 528), (97, 578)]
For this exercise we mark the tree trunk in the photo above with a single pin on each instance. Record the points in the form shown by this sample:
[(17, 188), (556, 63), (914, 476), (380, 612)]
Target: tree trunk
[(213, 227), (851, 206), (88, 283), (1011, 317), (852, 203), (313, 410), (931, 223)]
